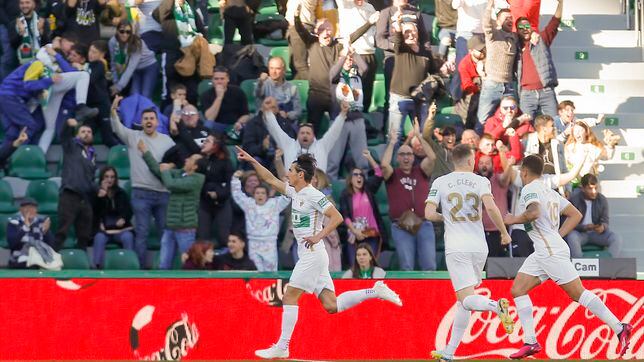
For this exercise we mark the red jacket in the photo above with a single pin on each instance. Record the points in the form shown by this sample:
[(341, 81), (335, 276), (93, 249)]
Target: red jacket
[(494, 127), (467, 70), (528, 8), (496, 161)]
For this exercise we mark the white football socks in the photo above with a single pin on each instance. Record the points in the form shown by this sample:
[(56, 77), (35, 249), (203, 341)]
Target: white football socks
[(480, 303), (352, 298), (595, 305), (461, 321), (289, 318), (524, 310)]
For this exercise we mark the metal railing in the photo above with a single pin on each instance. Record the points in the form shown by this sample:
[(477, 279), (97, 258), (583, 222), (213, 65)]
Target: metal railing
[(638, 15)]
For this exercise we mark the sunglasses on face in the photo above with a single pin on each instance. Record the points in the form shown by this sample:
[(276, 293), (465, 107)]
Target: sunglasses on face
[(404, 154), (524, 26), (513, 107), (358, 174), (123, 31), (189, 113)]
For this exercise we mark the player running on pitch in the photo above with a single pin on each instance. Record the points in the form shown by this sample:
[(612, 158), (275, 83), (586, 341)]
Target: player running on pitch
[(311, 273), (551, 257), (460, 195)]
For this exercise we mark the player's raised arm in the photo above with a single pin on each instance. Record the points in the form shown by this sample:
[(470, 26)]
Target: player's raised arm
[(573, 217), (262, 172), (495, 215)]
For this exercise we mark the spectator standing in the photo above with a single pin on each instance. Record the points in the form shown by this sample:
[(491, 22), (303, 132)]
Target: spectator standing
[(441, 147), (227, 106), (346, 84), (214, 204), (133, 64), (364, 265), (593, 228), (543, 142), (296, 45), (413, 63), (77, 187), (28, 32), (28, 230), (566, 119), (274, 84), (149, 195), (360, 210), (200, 256), (236, 258), (98, 92), (81, 18), (468, 25), (306, 141), (509, 125), (256, 139), (147, 27), (262, 215), (181, 217), (9, 10), (238, 15), (446, 17), (501, 51), (324, 51), (499, 183), (471, 72), (385, 39), (536, 73), (112, 215), (470, 137), (407, 188), (353, 14)]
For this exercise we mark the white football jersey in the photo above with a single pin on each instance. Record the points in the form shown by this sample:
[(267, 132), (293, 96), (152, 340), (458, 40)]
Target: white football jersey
[(544, 231), (307, 211), (459, 195)]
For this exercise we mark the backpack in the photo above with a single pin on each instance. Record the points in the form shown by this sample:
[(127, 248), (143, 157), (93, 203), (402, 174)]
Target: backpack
[(243, 62)]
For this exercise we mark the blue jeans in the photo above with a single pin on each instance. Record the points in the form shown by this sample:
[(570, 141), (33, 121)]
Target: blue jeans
[(491, 94), (445, 36), (169, 242), (543, 100), (461, 52), (101, 239), (8, 59), (147, 203), (145, 80), (421, 247), (399, 108)]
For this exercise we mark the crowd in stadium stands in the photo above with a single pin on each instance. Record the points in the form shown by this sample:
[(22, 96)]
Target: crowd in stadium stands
[(358, 76)]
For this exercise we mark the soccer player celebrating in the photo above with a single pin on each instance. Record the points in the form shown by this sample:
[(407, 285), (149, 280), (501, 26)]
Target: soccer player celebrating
[(462, 192), (551, 257), (311, 273)]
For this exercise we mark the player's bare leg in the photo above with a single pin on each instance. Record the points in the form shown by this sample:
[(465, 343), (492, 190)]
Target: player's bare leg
[(289, 319), (469, 301), (590, 301)]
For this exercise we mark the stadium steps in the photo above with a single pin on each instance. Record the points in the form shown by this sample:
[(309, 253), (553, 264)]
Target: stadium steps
[(601, 69)]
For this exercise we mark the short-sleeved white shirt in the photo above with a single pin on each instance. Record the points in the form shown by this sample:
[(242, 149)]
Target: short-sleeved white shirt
[(544, 231), (459, 195), (307, 210)]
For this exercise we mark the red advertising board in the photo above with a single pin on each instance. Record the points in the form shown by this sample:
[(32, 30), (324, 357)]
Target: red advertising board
[(199, 319)]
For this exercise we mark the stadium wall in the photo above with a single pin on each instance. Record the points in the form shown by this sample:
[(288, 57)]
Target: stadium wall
[(205, 319)]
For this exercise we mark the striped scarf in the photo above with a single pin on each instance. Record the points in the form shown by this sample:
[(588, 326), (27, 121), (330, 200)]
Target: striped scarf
[(30, 42), (186, 26)]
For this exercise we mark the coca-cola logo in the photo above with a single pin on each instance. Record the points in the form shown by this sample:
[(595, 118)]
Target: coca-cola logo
[(566, 331), (268, 294), (180, 337)]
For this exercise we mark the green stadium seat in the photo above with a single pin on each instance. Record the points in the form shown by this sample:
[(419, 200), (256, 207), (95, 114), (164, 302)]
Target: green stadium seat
[(285, 54), (381, 199), (435, 30), (121, 259), (337, 187), (29, 162), (6, 198), (119, 159), (386, 220), (156, 261), (268, 10), (213, 6), (427, 7), (45, 192), (232, 152), (248, 87), (595, 251), (154, 237), (127, 187), (204, 85), (378, 96), (448, 120), (70, 241), (74, 259), (303, 91)]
